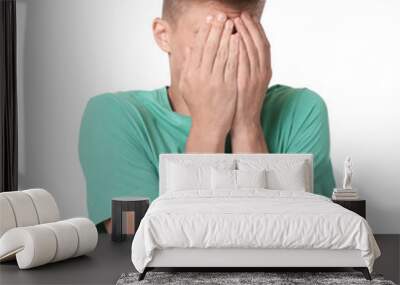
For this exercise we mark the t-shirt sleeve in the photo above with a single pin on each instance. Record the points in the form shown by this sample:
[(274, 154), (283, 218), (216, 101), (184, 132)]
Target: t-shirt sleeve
[(113, 155), (309, 133)]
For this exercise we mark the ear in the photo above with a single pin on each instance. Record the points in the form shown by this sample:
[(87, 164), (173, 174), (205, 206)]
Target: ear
[(162, 34)]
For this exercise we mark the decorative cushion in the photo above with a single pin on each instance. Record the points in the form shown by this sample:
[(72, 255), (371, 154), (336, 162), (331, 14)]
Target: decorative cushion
[(281, 174), (223, 179), (251, 178), (236, 179), (185, 175), (292, 178)]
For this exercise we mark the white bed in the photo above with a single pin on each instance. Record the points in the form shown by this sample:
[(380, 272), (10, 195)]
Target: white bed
[(194, 223)]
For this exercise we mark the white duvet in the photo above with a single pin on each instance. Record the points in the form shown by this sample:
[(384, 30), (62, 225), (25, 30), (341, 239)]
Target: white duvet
[(253, 218)]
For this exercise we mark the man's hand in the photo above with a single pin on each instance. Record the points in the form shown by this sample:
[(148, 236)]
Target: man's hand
[(254, 75), (208, 84)]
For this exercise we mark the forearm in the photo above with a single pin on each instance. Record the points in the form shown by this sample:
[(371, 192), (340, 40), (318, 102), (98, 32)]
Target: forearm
[(248, 139), (205, 140)]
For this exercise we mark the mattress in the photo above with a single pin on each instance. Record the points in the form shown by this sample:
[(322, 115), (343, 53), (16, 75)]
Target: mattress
[(250, 219)]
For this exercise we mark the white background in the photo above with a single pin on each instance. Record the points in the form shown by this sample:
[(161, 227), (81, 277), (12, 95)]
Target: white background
[(347, 51)]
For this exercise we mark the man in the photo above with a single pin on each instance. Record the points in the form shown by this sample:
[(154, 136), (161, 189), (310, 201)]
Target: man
[(219, 101)]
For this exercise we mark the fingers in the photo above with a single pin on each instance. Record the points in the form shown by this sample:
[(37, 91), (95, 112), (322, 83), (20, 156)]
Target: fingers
[(262, 32), (267, 52), (233, 59), (248, 43), (212, 43), (223, 51), (244, 64), (257, 38), (186, 62), (199, 43)]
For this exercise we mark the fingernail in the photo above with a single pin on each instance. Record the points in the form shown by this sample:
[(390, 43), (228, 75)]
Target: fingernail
[(221, 17), (209, 19)]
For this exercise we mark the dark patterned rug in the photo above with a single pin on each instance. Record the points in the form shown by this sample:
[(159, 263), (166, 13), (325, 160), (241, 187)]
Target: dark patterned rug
[(269, 278)]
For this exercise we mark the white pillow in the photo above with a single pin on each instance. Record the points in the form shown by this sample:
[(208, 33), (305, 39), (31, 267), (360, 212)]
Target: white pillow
[(236, 179), (291, 178), (251, 178), (223, 179), (184, 175), (281, 174)]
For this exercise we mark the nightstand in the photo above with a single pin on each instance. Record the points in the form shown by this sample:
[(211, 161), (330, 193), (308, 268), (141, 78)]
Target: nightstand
[(121, 208), (357, 206)]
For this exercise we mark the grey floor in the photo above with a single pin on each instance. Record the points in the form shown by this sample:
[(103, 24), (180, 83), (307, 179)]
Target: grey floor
[(110, 260)]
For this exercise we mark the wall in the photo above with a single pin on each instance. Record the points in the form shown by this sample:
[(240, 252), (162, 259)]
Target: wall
[(69, 51)]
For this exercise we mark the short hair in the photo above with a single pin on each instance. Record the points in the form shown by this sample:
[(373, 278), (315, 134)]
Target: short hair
[(173, 8)]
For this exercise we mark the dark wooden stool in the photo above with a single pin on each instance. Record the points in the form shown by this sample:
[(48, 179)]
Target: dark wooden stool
[(123, 205)]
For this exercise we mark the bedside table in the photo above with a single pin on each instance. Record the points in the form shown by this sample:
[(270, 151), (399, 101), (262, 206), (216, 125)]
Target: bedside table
[(357, 206), (126, 205)]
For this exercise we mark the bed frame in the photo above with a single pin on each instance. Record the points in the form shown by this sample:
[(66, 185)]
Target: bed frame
[(261, 259), (246, 259)]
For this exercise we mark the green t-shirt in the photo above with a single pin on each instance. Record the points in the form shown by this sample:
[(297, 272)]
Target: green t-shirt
[(122, 135)]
